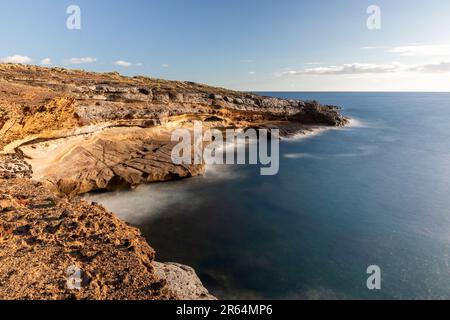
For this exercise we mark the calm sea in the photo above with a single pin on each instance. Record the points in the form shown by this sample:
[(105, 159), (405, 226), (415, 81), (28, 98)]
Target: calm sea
[(375, 193)]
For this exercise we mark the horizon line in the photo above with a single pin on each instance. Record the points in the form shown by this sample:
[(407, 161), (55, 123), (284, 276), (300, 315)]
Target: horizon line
[(343, 91), (74, 68)]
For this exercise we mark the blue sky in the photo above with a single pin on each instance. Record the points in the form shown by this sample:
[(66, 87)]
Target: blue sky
[(321, 45)]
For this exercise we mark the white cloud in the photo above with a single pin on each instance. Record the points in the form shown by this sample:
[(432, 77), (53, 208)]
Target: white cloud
[(46, 61), (433, 67), (351, 68), (122, 63), (313, 63), (126, 64), (252, 72), (368, 48), (17, 59), (83, 60), (165, 65), (365, 68), (421, 50)]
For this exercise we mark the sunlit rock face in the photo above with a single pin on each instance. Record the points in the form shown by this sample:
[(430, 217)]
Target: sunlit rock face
[(84, 131), (68, 132)]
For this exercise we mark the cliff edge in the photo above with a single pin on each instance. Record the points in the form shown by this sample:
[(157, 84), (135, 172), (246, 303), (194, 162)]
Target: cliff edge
[(68, 132)]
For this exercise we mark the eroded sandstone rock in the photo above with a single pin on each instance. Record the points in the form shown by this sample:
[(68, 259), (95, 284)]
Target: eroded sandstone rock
[(72, 132), (42, 236)]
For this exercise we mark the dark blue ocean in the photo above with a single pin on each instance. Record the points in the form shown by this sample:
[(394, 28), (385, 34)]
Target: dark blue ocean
[(375, 193)]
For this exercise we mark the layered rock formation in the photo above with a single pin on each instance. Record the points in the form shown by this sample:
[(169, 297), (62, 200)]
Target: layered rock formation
[(100, 131), (72, 132)]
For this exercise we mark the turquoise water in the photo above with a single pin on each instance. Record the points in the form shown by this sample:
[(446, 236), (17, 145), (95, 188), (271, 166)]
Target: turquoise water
[(376, 193)]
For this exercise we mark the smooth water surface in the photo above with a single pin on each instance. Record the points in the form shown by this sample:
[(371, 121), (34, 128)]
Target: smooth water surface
[(375, 193)]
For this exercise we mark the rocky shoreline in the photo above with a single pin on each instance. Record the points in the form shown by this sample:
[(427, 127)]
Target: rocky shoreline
[(68, 132)]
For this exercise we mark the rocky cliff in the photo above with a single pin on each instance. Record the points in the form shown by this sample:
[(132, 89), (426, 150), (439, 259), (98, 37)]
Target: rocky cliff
[(42, 236), (67, 132)]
